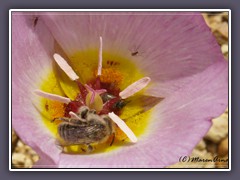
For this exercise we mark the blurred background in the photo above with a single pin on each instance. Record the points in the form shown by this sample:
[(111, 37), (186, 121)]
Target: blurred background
[(213, 145)]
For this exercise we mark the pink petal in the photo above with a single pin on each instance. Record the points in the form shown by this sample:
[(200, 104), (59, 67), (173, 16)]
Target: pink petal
[(185, 117), (32, 48), (177, 125), (159, 38), (44, 162)]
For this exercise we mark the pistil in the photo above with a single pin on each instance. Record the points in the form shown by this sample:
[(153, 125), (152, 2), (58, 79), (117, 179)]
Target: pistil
[(93, 99)]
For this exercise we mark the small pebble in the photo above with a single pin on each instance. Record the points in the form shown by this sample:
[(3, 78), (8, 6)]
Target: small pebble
[(223, 147), (201, 145), (225, 16), (222, 162), (224, 48), (219, 129), (217, 19), (223, 29), (19, 157), (211, 147)]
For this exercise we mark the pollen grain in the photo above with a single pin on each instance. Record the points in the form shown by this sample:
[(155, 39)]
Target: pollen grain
[(110, 75)]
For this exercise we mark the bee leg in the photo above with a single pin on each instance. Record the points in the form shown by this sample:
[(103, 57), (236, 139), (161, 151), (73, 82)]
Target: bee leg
[(58, 145), (83, 111), (92, 111), (70, 120), (53, 120), (77, 121), (75, 118), (61, 118), (84, 114), (83, 150), (89, 148), (112, 139)]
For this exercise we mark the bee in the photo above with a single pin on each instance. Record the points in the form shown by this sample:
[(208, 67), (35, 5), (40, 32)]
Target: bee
[(86, 129)]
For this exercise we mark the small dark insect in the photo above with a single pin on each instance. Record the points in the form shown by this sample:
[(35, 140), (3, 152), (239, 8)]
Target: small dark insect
[(35, 21), (120, 104), (46, 107), (87, 129), (106, 97), (112, 139), (135, 53)]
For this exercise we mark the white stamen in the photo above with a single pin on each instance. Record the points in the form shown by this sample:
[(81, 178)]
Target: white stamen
[(52, 96), (100, 91), (134, 87), (74, 115), (65, 67), (100, 58), (123, 126)]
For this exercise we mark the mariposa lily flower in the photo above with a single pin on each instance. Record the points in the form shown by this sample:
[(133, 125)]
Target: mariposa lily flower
[(158, 78)]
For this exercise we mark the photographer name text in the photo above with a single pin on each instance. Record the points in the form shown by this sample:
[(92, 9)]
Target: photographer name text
[(198, 159)]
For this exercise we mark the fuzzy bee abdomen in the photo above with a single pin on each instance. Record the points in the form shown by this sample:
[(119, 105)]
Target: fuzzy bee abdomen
[(81, 134)]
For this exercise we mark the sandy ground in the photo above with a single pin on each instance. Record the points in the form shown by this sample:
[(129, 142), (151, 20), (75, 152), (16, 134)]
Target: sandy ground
[(214, 146)]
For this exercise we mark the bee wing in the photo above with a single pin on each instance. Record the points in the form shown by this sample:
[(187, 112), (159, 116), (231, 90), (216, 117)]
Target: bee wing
[(96, 132), (72, 132)]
